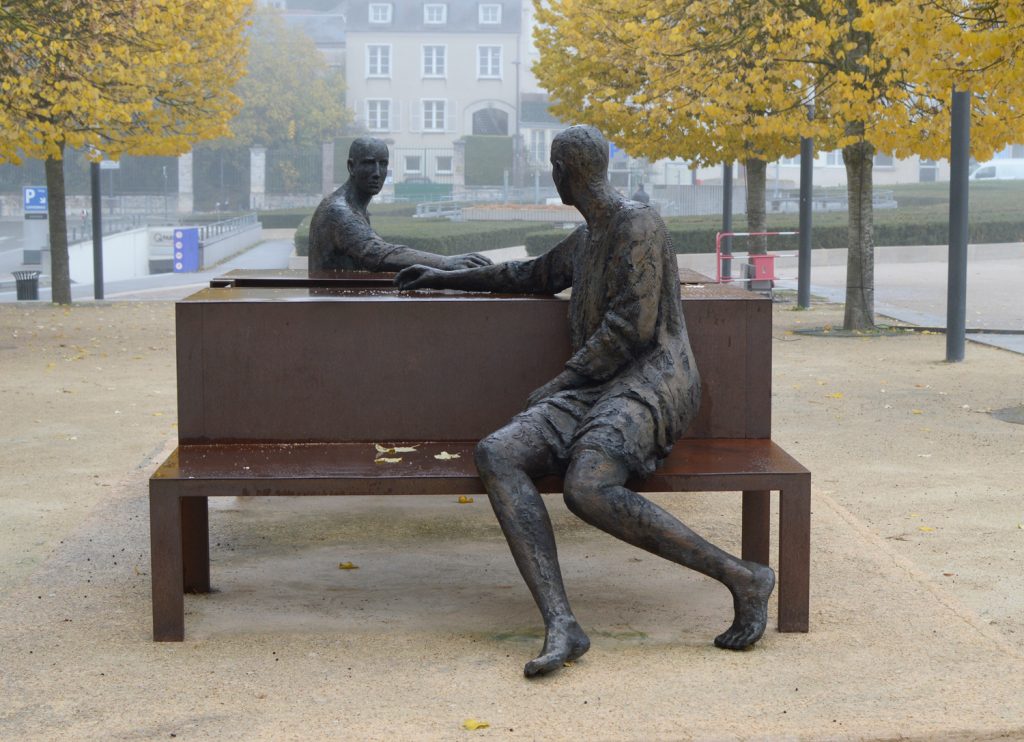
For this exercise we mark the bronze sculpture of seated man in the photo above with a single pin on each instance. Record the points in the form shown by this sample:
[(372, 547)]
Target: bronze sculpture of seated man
[(340, 235), (626, 395)]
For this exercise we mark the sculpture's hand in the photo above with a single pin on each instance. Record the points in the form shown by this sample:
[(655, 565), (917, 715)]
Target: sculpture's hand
[(419, 277), (470, 260), (568, 379)]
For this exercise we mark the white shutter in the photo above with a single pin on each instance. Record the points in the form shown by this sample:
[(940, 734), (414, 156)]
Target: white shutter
[(450, 122), (416, 116)]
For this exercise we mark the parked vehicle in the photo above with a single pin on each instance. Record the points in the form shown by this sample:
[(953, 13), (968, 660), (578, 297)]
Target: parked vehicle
[(1000, 170)]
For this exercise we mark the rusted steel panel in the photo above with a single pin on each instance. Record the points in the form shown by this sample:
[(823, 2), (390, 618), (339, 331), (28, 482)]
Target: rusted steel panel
[(318, 363)]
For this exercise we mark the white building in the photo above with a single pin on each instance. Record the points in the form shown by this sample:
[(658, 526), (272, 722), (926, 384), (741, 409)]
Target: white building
[(424, 74)]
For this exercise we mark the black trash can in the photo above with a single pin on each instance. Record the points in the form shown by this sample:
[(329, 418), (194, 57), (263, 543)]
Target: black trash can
[(27, 284)]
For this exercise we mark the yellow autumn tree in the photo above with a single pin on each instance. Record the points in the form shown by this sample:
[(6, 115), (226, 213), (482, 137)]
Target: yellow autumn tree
[(676, 79), (117, 76), (881, 73), (886, 71), (288, 93)]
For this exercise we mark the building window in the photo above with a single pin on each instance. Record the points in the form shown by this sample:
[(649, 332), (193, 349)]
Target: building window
[(378, 60), (789, 161), (538, 146), (433, 115), (488, 62), (434, 13), (834, 158), (378, 115), (433, 61), (490, 13), (413, 164), (884, 160), (443, 165), (380, 12)]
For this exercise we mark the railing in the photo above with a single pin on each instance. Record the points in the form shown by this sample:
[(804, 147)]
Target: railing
[(439, 209), (789, 200), (223, 229), (82, 232)]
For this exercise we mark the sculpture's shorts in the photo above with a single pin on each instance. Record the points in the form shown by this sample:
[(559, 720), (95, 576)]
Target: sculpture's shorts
[(620, 426)]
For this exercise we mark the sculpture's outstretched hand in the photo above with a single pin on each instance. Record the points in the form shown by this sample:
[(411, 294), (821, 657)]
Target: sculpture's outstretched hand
[(419, 277), (469, 260)]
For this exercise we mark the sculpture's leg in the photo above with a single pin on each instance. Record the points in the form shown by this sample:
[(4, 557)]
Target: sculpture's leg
[(594, 492), (506, 461)]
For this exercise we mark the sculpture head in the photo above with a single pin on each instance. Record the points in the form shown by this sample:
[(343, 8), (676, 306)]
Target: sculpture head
[(368, 165), (579, 162)]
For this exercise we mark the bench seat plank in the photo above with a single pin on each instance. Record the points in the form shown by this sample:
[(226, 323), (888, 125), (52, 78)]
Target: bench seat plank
[(355, 469), (194, 472)]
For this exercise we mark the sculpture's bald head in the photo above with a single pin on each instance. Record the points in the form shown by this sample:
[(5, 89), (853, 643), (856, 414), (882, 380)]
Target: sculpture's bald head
[(368, 165), (579, 157)]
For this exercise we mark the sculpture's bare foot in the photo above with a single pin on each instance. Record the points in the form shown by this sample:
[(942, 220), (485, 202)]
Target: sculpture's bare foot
[(564, 641), (750, 601)]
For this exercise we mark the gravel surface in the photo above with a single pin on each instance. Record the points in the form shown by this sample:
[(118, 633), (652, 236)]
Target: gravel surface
[(917, 628)]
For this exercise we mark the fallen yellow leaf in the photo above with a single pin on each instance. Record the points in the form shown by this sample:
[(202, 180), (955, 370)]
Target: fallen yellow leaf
[(926, 529), (473, 724), (463, 500), (394, 449), (348, 565), (386, 460), (917, 412), (836, 395), (445, 456)]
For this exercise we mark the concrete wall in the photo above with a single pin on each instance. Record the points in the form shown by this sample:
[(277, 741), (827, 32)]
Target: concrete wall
[(125, 255)]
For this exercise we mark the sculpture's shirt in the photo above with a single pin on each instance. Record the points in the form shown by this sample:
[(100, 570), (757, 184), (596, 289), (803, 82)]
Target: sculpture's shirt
[(625, 317), (341, 239)]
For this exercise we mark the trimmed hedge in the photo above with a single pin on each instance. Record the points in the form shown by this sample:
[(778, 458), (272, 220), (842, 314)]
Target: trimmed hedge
[(290, 218), (302, 237), (827, 232), (283, 218), (439, 236)]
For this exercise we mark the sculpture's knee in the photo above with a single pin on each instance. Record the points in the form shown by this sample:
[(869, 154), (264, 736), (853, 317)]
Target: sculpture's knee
[(488, 455), (582, 494)]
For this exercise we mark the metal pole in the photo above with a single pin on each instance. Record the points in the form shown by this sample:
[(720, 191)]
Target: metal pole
[(727, 219), (97, 231), (959, 165), (803, 291)]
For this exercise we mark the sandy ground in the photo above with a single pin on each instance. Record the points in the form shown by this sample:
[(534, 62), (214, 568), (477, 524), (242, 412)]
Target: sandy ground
[(917, 628)]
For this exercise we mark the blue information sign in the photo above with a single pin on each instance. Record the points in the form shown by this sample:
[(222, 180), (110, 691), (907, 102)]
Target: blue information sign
[(186, 249), (34, 198)]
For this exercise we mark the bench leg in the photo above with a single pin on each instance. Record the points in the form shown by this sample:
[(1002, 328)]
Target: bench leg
[(195, 544), (166, 566), (756, 525), (795, 554)]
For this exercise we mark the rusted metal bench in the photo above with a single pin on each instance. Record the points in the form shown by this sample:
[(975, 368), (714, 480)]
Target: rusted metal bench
[(338, 366)]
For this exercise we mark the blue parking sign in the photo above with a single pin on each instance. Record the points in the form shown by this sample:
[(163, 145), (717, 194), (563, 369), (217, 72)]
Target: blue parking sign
[(186, 249), (34, 198)]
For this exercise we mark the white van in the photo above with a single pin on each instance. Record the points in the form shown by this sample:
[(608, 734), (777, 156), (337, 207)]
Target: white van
[(1000, 170)]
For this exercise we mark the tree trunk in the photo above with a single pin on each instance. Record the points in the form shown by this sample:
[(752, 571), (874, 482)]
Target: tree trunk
[(860, 241), (60, 274), (757, 176)]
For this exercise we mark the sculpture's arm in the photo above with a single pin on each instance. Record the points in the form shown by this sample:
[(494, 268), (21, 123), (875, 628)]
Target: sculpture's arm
[(547, 274), (629, 323), (341, 232), (388, 258)]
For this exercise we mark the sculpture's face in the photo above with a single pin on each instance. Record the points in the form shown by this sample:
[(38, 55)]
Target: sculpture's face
[(561, 178), (368, 168)]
